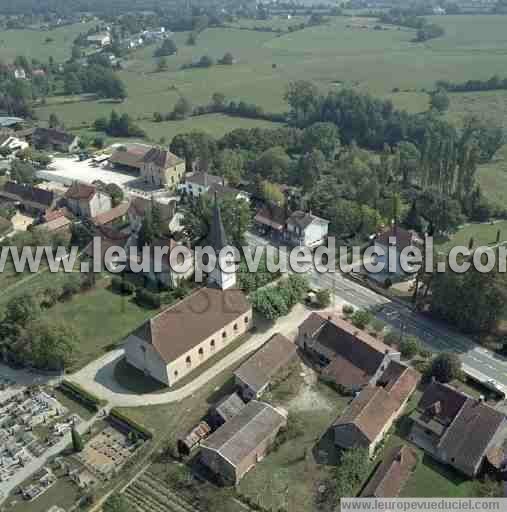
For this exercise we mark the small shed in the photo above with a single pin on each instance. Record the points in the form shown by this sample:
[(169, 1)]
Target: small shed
[(193, 438)]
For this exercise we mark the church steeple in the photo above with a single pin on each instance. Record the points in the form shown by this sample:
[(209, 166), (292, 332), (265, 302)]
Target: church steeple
[(223, 274), (218, 238)]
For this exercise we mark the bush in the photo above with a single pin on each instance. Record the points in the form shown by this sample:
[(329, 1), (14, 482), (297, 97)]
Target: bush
[(71, 287), (391, 338), (445, 367), (361, 318), (122, 286), (409, 347), (147, 299), (348, 310), (323, 298), (81, 395)]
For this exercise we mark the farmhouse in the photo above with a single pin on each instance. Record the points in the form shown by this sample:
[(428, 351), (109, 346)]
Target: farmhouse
[(391, 474), (34, 200), (305, 229), (348, 357), (239, 444), (298, 228), (456, 429), (86, 200), (56, 140), (162, 168), (372, 413), (185, 335), (254, 376)]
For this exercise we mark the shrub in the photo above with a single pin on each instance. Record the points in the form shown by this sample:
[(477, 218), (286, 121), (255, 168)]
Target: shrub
[(445, 367), (409, 347), (147, 299), (361, 318), (391, 338), (323, 298), (348, 310), (82, 395), (121, 286), (71, 287)]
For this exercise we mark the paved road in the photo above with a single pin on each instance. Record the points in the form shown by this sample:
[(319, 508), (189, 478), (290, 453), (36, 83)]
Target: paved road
[(439, 337)]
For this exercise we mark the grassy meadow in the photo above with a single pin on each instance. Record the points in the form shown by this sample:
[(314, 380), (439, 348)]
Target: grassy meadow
[(340, 53), (35, 44)]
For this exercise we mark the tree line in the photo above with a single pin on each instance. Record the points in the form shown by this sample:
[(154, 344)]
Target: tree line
[(408, 18), (495, 83)]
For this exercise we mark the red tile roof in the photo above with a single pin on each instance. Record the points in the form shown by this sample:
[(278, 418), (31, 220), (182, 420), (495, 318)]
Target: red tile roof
[(392, 473), (115, 213), (80, 191), (183, 326)]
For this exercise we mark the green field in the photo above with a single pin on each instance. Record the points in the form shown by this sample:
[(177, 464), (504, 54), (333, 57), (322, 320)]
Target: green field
[(339, 53), (216, 125), (483, 235), (32, 43), (101, 319)]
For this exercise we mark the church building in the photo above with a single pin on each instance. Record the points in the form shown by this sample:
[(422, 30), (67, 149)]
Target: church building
[(185, 335)]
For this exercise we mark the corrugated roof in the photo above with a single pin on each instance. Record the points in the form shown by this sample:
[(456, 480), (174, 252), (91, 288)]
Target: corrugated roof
[(240, 436)]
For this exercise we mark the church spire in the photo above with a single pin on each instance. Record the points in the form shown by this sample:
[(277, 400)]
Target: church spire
[(223, 275), (218, 238)]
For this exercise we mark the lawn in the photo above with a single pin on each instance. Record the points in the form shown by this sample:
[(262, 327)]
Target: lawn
[(482, 234), (101, 319), (215, 124), (35, 44), (333, 55), (431, 479), (492, 178)]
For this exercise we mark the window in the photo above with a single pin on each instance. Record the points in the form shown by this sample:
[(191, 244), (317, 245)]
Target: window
[(201, 352), (246, 319), (235, 327), (224, 335), (176, 373), (189, 361), (212, 345)]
